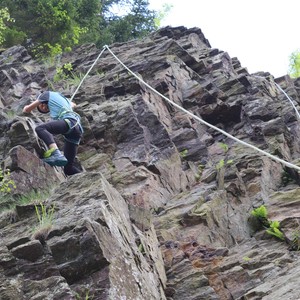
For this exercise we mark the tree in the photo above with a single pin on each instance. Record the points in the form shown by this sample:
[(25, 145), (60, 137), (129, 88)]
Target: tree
[(88, 16), (4, 16), (54, 26), (294, 67), (51, 25), (161, 14), (123, 20)]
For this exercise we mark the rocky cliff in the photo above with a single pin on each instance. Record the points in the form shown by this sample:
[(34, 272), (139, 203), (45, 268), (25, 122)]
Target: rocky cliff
[(162, 209)]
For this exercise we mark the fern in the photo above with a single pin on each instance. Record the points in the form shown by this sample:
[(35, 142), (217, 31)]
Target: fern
[(274, 230), (273, 227), (260, 212)]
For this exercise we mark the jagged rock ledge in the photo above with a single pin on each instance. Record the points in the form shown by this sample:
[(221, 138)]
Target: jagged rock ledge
[(162, 208)]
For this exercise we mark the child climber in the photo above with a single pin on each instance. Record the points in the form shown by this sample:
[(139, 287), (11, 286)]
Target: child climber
[(64, 121)]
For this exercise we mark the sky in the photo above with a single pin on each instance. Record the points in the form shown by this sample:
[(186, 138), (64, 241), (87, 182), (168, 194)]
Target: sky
[(262, 34)]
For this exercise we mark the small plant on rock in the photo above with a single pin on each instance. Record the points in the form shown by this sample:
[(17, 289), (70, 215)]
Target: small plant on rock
[(295, 243), (272, 227), (6, 183), (184, 153), (246, 258), (222, 164), (63, 73), (86, 296), (275, 231), (45, 218), (261, 214)]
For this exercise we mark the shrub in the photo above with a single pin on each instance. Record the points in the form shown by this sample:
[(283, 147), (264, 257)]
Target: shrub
[(273, 227), (6, 183)]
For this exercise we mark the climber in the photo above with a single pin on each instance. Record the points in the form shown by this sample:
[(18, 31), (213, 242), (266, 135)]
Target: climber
[(64, 121)]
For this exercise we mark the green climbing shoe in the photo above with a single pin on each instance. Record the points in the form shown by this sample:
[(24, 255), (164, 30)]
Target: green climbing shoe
[(56, 158)]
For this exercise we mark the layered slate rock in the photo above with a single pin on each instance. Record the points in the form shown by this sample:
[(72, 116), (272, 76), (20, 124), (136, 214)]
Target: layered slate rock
[(162, 209), (91, 243)]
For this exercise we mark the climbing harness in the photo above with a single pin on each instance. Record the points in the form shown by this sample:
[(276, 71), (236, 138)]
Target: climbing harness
[(61, 111), (288, 164)]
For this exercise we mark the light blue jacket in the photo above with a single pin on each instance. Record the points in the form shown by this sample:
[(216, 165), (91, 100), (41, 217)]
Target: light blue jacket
[(60, 107)]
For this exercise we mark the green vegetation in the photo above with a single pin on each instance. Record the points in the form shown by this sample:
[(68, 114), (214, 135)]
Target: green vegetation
[(45, 217), (295, 244), (222, 164), (9, 202), (294, 66), (86, 296), (4, 17), (260, 212), (183, 153), (224, 147), (199, 173), (246, 258), (63, 72), (51, 27), (6, 183), (32, 197), (274, 230), (65, 76), (272, 227), (10, 114), (141, 248), (161, 14), (28, 198)]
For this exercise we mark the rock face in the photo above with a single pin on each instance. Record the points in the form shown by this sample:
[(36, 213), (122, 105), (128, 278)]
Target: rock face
[(162, 209)]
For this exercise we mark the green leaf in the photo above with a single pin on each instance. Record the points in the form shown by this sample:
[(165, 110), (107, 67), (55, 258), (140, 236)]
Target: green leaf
[(275, 232), (260, 212), (224, 147), (220, 164), (229, 162), (294, 66), (275, 224)]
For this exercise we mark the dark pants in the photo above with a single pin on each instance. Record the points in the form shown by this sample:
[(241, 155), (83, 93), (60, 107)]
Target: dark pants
[(45, 132)]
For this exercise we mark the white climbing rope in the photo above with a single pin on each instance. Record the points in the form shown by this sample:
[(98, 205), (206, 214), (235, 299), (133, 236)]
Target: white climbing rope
[(287, 96), (297, 112), (288, 164), (87, 73), (202, 121)]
